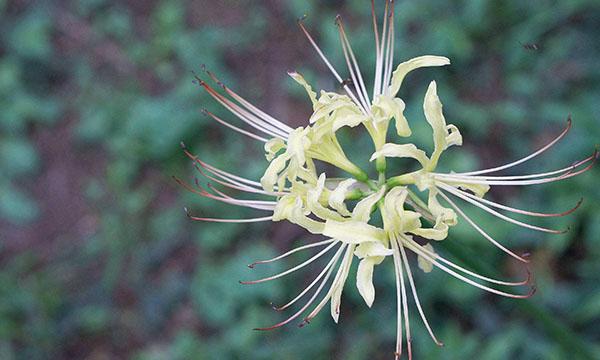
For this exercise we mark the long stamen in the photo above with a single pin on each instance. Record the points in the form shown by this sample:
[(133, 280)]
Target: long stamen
[(469, 281), (293, 251), (233, 127), (497, 214), (416, 297), (565, 176), (531, 156), (360, 85), (519, 211), (339, 277), (405, 305), (243, 114), (382, 50), (398, 352), (376, 83), (218, 172), (390, 50), (310, 286), (474, 274), (256, 111), (289, 271), (234, 184), (256, 204), (570, 168), (310, 301), (268, 206), (331, 68), (480, 230), (218, 220)]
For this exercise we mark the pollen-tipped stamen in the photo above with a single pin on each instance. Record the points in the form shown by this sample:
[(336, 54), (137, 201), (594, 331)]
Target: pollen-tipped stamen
[(480, 230), (469, 272), (258, 112), (299, 312), (289, 271), (293, 251), (219, 220), (487, 209), (331, 68), (243, 114), (567, 169), (353, 66), (469, 281), (314, 282), (520, 211), (526, 158), (567, 175)]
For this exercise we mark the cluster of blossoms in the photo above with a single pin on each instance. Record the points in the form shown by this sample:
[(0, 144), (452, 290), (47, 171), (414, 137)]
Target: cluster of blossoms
[(341, 209)]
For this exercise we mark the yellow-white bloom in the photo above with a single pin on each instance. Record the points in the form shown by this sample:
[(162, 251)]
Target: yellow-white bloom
[(323, 205)]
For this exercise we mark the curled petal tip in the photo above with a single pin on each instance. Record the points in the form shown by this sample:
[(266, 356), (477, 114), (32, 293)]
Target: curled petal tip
[(304, 323), (440, 344), (251, 266), (569, 120)]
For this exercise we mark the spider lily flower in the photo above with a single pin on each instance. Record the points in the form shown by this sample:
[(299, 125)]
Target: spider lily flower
[(292, 190)]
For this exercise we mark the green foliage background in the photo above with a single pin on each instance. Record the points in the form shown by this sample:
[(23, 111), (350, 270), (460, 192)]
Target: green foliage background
[(98, 260)]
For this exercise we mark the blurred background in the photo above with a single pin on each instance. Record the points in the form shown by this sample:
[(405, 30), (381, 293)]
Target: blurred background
[(98, 260)]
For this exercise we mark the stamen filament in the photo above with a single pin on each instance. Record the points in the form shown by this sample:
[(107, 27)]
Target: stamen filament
[(360, 85), (398, 299), (483, 233), (515, 210), (565, 176), (517, 177), (289, 271), (293, 251), (244, 115), (310, 286), (416, 297), (529, 157), (466, 271), (390, 51), (233, 127), (258, 112), (337, 281), (299, 312), (469, 281), (331, 68), (497, 214), (218, 220)]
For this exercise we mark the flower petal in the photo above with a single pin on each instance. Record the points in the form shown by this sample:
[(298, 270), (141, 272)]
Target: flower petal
[(402, 151), (425, 264), (432, 106), (300, 80), (353, 232), (338, 196), (362, 210), (412, 64), (364, 280)]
